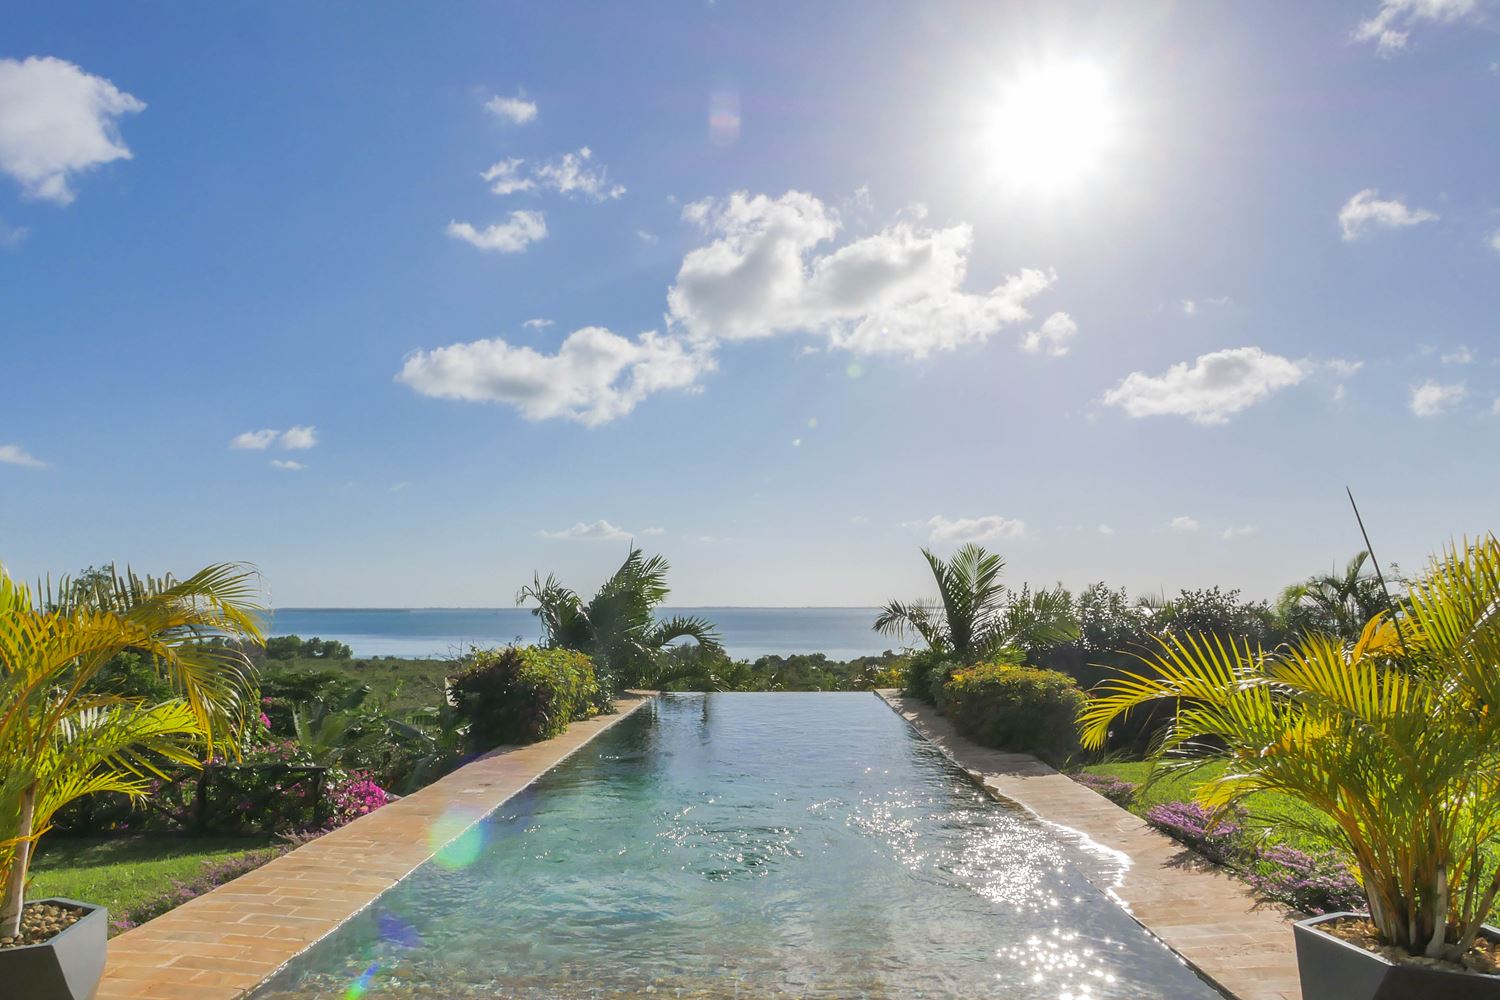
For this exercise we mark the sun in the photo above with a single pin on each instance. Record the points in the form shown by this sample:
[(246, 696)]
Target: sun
[(1055, 125)]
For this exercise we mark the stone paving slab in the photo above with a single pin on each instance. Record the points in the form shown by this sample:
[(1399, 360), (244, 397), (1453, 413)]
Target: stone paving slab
[(224, 943), (1239, 943)]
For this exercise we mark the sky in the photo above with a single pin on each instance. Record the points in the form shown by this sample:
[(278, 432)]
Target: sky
[(402, 303)]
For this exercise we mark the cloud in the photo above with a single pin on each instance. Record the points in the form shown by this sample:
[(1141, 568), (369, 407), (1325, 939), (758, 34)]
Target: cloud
[(1105, 529), (1391, 24), (287, 464), (570, 174), (1231, 533), (514, 110), (14, 454), (1365, 211), (56, 122), (1432, 398), (12, 236), (1189, 307), (523, 229), (1214, 387), (1461, 355), (897, 291), (962, 530), (292, 439), (594, 377), (1183, 523), (653, 531), (505, 177), (299, 438), (1495, 241), (398, 487), (1055, 332), (650, 239), (594, 530), (537, 324)]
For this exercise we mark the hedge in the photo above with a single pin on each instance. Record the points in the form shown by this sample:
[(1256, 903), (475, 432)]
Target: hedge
[(522, 694), (1010, 707)]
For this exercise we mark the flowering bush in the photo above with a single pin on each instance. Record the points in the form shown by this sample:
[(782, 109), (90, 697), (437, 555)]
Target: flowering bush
[(1117, 790), (353, 797), (1010, 707), (521, 694), (1317, 884), (1188, 822)]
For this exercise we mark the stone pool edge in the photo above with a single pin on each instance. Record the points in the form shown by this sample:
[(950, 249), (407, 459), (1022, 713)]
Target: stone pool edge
[(223, 944), (1239, 944)]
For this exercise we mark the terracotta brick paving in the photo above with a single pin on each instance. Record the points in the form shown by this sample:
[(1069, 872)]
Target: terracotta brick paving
[(1240, 944), (225, 942)]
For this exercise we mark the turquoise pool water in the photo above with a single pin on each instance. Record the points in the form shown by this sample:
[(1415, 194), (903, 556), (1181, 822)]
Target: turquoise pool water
[(747, 845)]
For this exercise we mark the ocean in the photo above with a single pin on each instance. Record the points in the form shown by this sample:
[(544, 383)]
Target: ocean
[(747, 633)]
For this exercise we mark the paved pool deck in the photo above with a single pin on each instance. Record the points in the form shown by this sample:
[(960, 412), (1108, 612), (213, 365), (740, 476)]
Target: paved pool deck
[(1240, 944), (224, 943)]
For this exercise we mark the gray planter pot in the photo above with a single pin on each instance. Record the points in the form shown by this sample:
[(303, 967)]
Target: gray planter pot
[(67, 967), (1333, 969)]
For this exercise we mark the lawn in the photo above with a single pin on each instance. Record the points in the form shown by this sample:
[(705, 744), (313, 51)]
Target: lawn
[(122, 872), (1279, 817)]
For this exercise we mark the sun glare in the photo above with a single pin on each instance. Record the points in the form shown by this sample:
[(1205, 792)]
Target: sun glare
[(1054, 125)]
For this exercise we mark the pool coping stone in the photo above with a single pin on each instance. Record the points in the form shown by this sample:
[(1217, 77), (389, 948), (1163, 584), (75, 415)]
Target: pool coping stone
[(1240, 944), (226, 942)]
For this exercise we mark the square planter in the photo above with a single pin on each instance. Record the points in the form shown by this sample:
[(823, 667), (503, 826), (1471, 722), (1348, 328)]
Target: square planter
[(1333, 969), (67, 967)]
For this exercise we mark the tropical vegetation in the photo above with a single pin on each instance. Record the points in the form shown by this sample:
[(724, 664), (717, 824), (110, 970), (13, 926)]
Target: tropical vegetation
[(62, 740), (1390, 739)]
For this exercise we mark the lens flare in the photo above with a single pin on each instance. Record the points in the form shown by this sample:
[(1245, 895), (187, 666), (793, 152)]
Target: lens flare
[(360, 986), (456, 839)]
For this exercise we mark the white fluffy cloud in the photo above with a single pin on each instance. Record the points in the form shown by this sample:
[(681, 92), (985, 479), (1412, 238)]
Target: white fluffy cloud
[(515, 110), (962, 530), (1211, 389), (595, 375), (292, 439), (523, 229), (897, 291), (1366, 210), (1390, 26), (1052, 337), (14, 454), (1432, 398), (57, 121), (571, 174), (1183, 523)]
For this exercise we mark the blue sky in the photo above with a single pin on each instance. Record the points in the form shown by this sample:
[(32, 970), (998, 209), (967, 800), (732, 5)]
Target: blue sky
[(1126, 292)]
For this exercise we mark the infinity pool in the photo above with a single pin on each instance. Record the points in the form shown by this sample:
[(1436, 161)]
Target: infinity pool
[(747, 845)]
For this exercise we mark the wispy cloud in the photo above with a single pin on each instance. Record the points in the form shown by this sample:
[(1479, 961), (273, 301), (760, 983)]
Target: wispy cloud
[(1105, 529), (513, 110), (57, 122), (600, 530), (14, 454), (1052, 337), (571, 174), (1183, 523), (1366, 211), (1231, 533), (1460, 355), (513, 236), (287, 464), (537, 324), (292, 439), (1432, 398), (1391, 24)]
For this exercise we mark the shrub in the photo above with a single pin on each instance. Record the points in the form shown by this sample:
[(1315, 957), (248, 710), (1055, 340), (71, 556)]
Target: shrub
[(521, 694), (1117, 790), (1015, 708), (1189, 823), (924, 673)]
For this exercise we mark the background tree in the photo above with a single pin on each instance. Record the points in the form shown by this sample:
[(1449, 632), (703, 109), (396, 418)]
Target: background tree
[(1337, 604), (975, 614), (618, 627)]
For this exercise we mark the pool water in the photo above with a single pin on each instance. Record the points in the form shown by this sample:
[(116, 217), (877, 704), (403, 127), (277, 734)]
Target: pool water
[(747, 845)]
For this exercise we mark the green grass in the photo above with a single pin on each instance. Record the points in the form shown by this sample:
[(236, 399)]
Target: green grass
[(122, 872), (1277, 815)]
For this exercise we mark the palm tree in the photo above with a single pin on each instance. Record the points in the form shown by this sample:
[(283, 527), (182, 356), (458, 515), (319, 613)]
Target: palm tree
[(617, 627), (1392, 738), (1340, 603), (976, 615), (61, 739)]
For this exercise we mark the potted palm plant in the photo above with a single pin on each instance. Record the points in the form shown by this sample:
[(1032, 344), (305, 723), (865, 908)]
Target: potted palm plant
[(1393, 739), (62, 737)]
